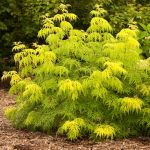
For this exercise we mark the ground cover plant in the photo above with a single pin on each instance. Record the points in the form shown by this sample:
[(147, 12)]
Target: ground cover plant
[(85, 83)]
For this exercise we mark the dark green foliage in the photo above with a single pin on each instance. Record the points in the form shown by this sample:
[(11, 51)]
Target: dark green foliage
[(21, 20), (144, 39)]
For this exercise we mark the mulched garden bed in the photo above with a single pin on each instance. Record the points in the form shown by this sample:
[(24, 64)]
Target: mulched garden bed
[(13, 139)]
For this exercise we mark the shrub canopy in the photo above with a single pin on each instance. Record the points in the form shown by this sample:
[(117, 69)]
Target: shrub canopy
[(84, 82)]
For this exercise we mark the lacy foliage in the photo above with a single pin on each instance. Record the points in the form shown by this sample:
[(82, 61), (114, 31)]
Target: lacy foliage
[(88, 84)]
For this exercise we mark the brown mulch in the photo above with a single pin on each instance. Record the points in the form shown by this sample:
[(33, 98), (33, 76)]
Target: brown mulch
[(13, 139)]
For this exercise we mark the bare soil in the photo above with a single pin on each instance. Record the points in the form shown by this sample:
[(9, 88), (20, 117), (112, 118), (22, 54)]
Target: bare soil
[(13, 139)]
